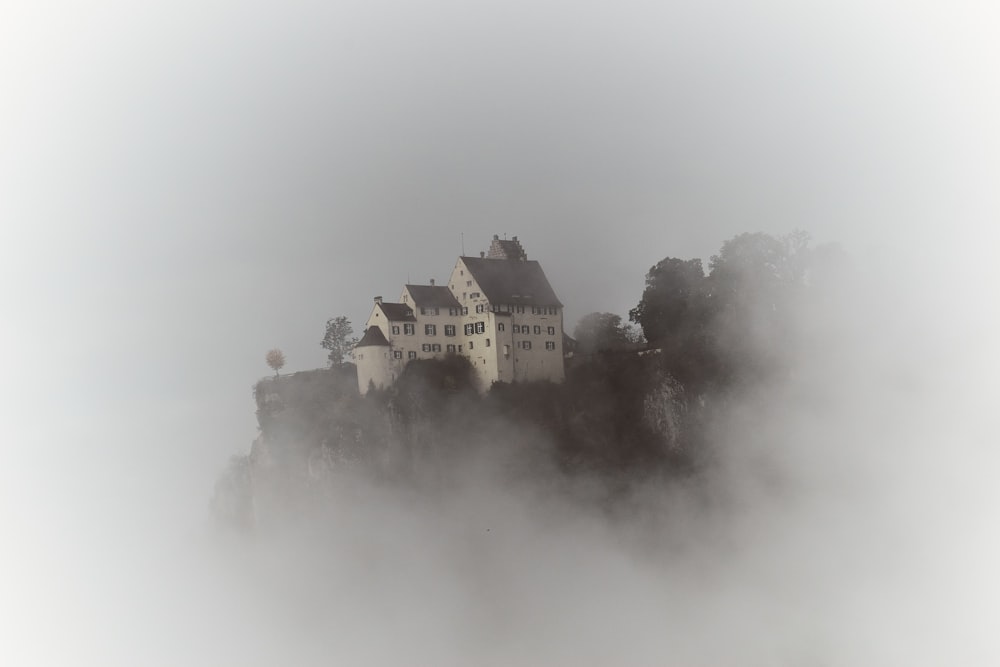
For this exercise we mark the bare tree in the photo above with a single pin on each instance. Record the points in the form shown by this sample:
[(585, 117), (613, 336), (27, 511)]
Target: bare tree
[(276, 360)]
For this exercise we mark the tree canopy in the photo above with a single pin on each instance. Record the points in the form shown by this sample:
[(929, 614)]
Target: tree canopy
[(596, 332), (338, 339), (275, 359), (673, 300), (727, 324)]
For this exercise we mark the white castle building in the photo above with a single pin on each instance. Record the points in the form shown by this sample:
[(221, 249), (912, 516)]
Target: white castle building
[(498, 310)]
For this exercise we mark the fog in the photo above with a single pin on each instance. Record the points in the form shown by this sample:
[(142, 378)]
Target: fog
[(184, 186)]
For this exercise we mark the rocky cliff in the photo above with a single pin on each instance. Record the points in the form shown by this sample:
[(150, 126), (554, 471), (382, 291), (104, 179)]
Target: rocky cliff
[(618, 416)]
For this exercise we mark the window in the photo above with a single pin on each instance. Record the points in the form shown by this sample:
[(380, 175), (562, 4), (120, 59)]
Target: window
[(397, 354), (449, 330), (500, 326), (480, 327), (538, 329), (470, 345), (423, 311), (465, 310), (468, 283), (430, 330), (487, 342), (525, 344), (534, 311), (408, 329), (426, 347), (470, 329), (516, 328), (395, 329), (550, 345), (411, 355), (454, 311), (360, 357), (451, 348), (552, 331), (475, 295), (506, 351), (554, 310), (436, 347), (520, 309), (480, 308)]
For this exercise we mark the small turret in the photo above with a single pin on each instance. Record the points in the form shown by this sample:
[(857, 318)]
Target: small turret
[(504, 249)]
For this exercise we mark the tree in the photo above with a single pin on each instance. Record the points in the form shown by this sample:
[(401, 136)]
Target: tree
[(756, 283), (603, 331), (338, 339), (732, 323), (673, 303), (276, 360)]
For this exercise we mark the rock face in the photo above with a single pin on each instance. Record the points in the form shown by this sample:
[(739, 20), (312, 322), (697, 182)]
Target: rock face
[(308, 422), (619, 415), (664, 410)]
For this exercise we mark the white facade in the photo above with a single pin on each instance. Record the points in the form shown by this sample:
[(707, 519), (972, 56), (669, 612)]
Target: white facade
[(375, 367), (517, 343), (499, 312)]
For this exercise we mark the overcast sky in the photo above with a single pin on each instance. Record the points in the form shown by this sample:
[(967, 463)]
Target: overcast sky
[(185, 185), (219, 178)]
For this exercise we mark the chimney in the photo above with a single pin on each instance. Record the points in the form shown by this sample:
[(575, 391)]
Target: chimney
[(496, 237), (482, 253), (432, 282), (378, 299)]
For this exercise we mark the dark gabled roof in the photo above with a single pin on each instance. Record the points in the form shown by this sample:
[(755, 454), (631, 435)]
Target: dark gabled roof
[(373, 336), (433, 296), (397, 312), (512, 281)]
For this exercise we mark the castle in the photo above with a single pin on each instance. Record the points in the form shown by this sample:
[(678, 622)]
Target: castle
[(498, 311)]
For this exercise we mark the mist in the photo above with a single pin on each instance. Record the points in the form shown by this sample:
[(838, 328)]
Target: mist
[(184, 187)]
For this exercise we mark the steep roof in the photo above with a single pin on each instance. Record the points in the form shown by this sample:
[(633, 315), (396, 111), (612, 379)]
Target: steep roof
[(397, 312), (373, 336), (433, 296), (512, 281)]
